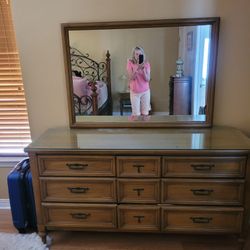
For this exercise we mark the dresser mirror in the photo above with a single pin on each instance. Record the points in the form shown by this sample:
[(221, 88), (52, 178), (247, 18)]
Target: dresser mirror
[(182, 54)]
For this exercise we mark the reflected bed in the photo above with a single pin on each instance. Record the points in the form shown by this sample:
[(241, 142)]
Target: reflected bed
[(91, 84)]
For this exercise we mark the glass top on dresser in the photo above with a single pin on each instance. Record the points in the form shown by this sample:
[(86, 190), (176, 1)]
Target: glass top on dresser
[(217, 138)]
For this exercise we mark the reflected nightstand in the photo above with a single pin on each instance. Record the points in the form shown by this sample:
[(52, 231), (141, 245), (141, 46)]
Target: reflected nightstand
[(125, 104)]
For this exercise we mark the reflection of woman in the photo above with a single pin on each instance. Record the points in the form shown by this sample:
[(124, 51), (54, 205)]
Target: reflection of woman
[(138, 70)]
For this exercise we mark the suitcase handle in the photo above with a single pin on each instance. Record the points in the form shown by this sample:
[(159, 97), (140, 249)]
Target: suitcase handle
[(22, 167)]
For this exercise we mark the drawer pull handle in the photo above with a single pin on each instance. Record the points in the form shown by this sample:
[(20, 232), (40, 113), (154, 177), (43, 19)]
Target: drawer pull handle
[(201, 220), (76, 166), (139, 218), (202, 167), (201, 191), (81, 216), (139, 167), (78, 190), (138, 190)]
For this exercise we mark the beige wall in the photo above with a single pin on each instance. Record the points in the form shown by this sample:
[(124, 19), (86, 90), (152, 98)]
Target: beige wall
[(4, 171), (39, 40), (232, 98)]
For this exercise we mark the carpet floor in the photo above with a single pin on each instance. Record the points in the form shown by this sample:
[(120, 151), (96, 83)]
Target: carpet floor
[(10, 241)]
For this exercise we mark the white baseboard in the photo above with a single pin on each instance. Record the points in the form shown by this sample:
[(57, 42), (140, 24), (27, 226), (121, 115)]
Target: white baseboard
[(4, 204)]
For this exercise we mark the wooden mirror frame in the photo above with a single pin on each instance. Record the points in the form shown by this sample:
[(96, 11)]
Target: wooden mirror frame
[(122, 122)]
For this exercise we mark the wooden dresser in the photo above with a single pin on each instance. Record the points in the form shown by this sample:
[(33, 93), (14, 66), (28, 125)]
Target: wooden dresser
[(142, 180), (180, 97)]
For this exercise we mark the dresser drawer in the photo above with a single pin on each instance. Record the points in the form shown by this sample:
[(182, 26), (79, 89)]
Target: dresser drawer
[(72, 165), (138, 166), (78, 189), (200, 219), (138, 191), (204, 166), (205, 191), (80, 216), (139, 218)]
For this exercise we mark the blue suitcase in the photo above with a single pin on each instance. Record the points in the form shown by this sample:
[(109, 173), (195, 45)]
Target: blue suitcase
[(22, 197)]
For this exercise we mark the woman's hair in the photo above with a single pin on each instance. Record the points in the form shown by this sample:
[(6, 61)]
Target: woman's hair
[(133, 53)]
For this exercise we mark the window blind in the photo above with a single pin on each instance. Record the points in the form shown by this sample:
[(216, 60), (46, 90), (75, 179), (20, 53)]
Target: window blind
[(14, 124)]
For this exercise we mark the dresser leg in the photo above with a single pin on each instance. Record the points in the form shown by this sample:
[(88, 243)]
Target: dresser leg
[(49, 240), (42, 233), (43, 237), (242, 242)]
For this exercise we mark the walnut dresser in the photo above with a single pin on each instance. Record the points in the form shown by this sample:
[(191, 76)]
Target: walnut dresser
[(142, 180)]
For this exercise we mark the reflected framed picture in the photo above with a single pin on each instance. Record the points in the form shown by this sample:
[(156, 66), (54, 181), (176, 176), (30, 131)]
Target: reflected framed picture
[(190, 42)]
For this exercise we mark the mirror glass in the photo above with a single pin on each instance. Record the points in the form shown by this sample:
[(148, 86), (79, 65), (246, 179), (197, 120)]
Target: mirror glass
[(182, 58)]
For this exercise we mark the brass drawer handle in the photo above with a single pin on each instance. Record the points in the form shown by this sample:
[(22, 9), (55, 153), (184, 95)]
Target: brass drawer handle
[(76, 166), (202, 167), (139, 167), (201, 220), (138, 190), (81, 216), (78, 190), (201, 191), (139, 218)]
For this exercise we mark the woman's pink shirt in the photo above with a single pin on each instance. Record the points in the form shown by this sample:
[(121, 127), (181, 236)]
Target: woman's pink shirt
[(139, 84)]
